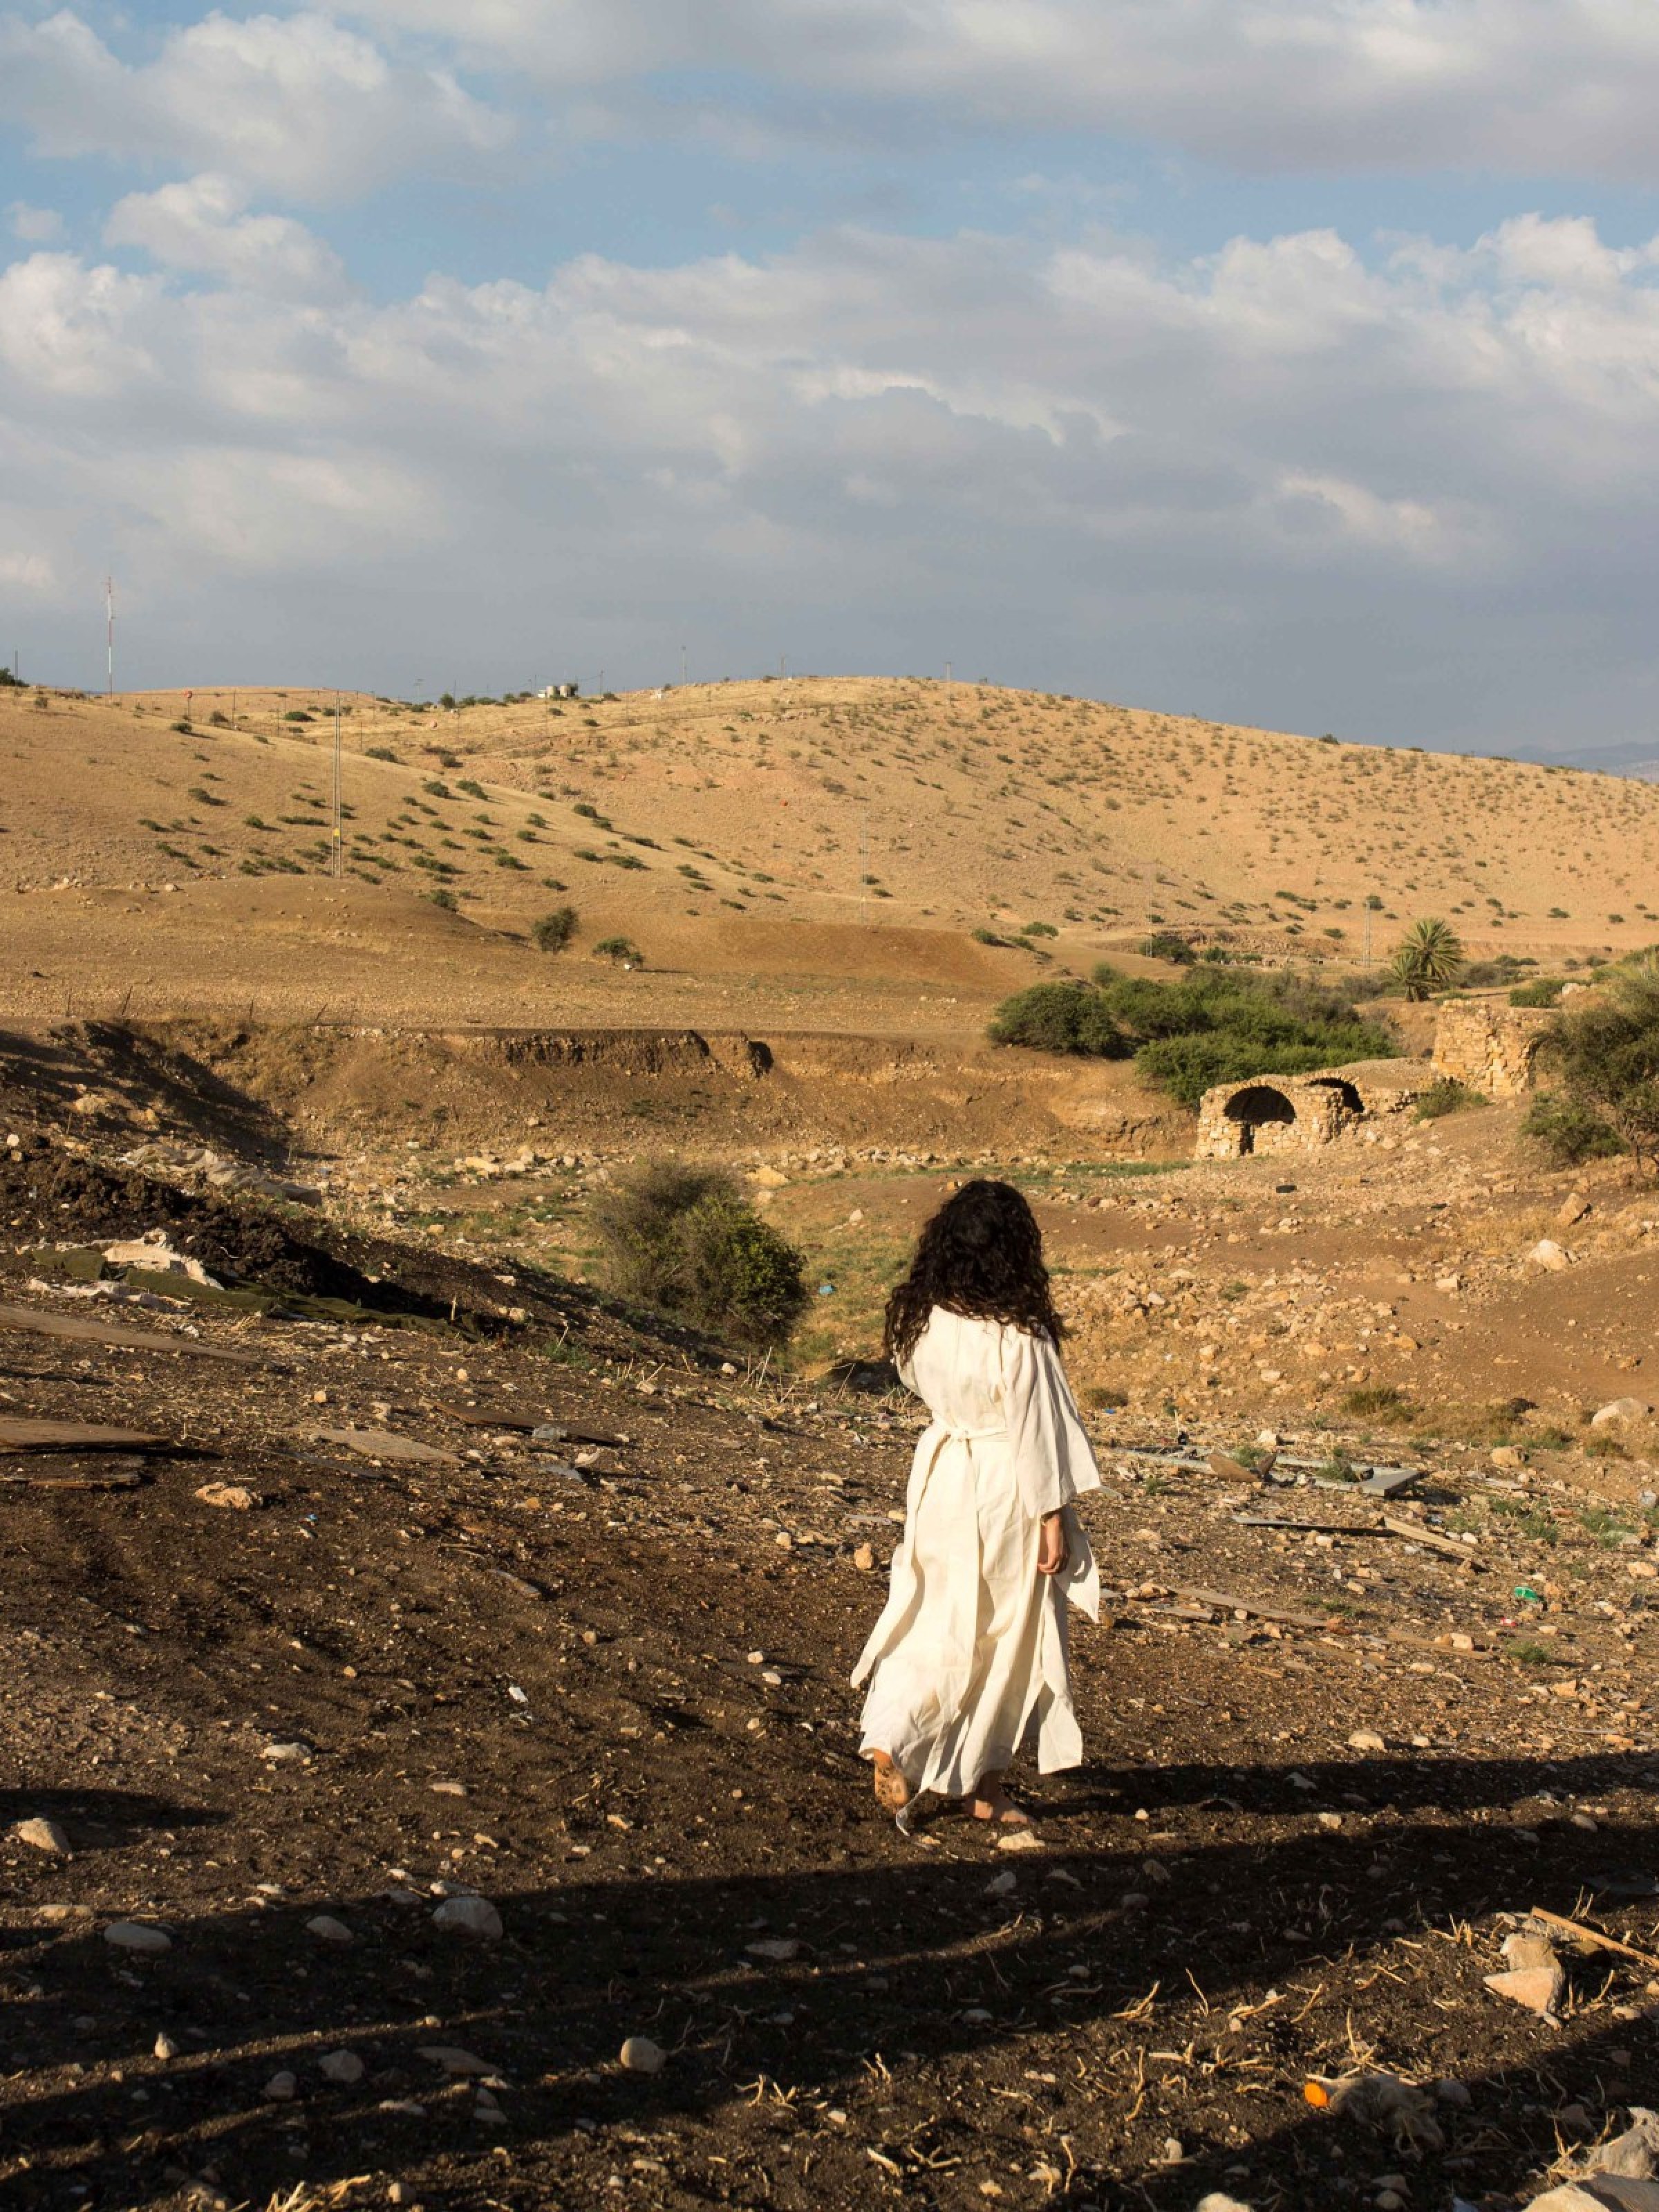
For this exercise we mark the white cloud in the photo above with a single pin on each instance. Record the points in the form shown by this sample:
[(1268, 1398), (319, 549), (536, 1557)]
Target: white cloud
[(34, 226), (295, 104), (1525, 86), (1262, 482), (203, 224), (22, 569)]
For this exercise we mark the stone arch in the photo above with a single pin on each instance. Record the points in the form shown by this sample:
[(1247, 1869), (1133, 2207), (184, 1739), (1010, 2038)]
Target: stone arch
[(1260, 1106), (1343, 1093)]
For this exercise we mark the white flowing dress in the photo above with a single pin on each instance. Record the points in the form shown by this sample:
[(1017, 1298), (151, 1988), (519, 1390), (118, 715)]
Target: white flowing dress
[(970, 1652)]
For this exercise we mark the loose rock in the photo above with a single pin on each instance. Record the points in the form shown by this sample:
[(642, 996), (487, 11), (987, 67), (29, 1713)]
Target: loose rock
[(43, 1836), (640, 2055), (137, 1936), (469, 1916)]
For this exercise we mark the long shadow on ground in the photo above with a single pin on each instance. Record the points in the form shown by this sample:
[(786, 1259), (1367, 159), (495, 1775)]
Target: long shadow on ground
[(962, 2033)]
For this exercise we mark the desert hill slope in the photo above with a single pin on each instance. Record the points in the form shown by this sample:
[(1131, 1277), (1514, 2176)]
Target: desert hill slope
[(844, 831)]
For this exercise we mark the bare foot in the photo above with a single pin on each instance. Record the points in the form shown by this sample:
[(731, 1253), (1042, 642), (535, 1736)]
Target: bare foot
[(892, 1790), (991, 1802)]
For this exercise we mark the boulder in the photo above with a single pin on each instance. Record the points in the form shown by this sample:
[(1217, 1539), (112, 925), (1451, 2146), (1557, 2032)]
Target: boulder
[(1620, 1409)]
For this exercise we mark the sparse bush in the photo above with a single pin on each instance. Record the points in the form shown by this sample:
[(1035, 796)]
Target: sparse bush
[(446, 899), (988, 937), (1544, 991), (299, 714), (684, 1242), (1448, 1095), (1568, 1134), (1379, 1401), (1607, 1057), (551, 933), (382, 753), (618, 949), (218, 721)]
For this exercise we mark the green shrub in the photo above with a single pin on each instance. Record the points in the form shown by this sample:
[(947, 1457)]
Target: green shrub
[(619, 949), (1607, 1057), (684, 1242), (1448, 1095), (988, 937), (298, 715), (1069, 1018), (551, 933), (383, 753), (1215, 1026), (1164, 945), (1568, 1134), (1545, 991)]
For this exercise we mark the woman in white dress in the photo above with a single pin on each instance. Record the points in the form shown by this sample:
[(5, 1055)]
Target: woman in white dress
[(969, 1655)]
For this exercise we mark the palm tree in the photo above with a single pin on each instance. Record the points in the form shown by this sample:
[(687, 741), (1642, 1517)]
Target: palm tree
[(1430, 959)]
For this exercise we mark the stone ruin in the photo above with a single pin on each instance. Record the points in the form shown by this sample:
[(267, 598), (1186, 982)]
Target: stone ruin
[(1491, 1048), (1300, 1113)]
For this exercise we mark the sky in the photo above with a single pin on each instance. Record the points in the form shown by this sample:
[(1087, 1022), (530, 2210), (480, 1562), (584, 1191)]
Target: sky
[(1286, 361)]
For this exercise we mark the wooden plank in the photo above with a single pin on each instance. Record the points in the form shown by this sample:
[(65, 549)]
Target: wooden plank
[(1582, 1933), (109, 1478), (21, 1435), (1416, 1533), (33, 1323), (384, 1443), (1225, 1602)]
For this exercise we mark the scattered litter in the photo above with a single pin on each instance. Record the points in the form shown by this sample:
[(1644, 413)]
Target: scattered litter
[(386, 1444), (156, 1256), (231, 1495), (1399, 2109)]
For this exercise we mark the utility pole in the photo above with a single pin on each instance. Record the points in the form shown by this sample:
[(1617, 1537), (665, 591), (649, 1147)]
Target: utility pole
[(109, 637), (339, 796), (1368, 937), (683, 668), (864, 866), (947, 672)]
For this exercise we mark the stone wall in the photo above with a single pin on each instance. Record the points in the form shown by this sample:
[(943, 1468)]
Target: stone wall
[(1301, 1113), (1491, 1048)]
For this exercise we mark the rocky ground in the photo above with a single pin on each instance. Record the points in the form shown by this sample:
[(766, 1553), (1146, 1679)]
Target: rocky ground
[(454, 1759)]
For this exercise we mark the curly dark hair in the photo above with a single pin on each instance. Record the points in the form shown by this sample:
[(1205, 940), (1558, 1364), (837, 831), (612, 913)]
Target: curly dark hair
[(981, 1254)]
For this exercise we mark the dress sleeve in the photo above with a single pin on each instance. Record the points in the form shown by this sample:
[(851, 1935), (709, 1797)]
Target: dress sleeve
[(1053, 1461)]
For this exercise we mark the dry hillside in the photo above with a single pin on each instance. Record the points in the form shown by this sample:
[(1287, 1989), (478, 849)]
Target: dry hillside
[(727, 830)]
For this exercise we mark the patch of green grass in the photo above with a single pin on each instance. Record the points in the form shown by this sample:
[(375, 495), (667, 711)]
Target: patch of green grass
[(1379, 1401), (1525, 1653)]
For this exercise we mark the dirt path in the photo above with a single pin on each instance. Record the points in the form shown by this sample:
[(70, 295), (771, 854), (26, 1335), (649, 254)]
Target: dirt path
[(389, 1681)]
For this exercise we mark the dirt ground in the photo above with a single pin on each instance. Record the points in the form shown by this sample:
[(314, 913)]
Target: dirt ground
[(614, 1676)]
